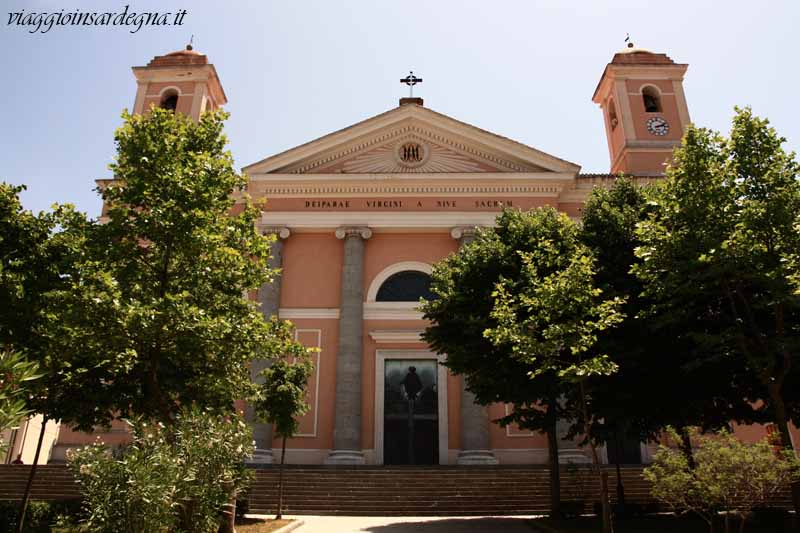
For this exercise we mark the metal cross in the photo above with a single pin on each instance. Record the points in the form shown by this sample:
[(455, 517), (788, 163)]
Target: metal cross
[(411, 80)]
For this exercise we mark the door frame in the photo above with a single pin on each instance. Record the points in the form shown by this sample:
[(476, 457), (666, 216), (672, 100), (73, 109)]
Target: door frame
[(441, 388)]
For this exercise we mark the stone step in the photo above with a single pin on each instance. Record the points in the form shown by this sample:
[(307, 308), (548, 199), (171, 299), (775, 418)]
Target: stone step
[(392, 491)]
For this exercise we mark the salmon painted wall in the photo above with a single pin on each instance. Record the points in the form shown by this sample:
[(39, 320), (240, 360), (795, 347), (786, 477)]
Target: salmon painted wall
[(312, 270), (316, 426)]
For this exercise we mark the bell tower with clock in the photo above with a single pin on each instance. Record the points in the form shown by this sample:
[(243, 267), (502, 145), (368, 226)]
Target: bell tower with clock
[(644, 109)]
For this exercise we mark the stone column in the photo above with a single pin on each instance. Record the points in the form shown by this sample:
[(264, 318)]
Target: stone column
[(568, 449), (475, 448), (347, 415), (269, 296)]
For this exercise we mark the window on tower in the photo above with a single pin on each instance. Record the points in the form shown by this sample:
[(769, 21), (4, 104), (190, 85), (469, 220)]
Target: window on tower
[(651, 99), (170, 101), (612, 114)]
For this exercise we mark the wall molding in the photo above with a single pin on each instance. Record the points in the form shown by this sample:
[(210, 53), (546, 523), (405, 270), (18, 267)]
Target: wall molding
[(399, 336), (377, 220), (292, 313), (317, 366), (392, 311)]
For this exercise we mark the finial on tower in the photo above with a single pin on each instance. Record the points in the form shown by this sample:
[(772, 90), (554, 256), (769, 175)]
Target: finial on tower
[(628, 40), (191, 40)]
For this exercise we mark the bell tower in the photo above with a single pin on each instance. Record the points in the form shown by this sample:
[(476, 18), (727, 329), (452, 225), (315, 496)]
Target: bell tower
[(644, 109), (183, 81)]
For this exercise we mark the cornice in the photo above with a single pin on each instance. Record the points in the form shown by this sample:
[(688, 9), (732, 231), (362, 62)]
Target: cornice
[(365, 191), (340, 178), (541, 184)]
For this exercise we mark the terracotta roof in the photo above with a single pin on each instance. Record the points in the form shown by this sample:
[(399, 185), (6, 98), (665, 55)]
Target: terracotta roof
[(178, 58), (640, 56)]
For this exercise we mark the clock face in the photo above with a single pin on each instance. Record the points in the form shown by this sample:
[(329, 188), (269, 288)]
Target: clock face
[(657, 126)]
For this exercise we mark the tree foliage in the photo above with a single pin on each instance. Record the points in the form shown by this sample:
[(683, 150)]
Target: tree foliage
[(39, 253), (282, 398), (517, 314), (641, 399), (464, 284), (15, 373), (156, 302), (713, 256)]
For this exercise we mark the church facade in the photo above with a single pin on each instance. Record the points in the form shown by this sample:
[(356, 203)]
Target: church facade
[(361, 215)]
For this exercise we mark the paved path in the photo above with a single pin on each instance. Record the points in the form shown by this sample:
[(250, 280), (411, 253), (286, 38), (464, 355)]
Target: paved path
[(405, 524)]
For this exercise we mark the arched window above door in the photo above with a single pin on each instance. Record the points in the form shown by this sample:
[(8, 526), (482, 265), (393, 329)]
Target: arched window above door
[(406, 281), (405, 286)]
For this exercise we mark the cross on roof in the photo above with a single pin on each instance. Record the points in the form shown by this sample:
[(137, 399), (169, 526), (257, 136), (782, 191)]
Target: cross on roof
[(411, 80)]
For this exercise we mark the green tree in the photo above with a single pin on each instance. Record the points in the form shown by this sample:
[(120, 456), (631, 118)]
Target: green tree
[(155, 311), (158, 295), (713, 253), (282, 399), (516, 314), (38, 254), (641, 399)]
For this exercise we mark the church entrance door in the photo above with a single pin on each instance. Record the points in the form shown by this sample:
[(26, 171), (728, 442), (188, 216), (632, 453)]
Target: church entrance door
[(410, 412)]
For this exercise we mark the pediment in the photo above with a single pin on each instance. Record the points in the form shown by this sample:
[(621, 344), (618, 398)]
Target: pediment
[(411, 139)]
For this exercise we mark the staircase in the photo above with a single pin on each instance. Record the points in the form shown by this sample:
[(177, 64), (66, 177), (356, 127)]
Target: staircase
[(411, 491), (389, 490), (51, 482)]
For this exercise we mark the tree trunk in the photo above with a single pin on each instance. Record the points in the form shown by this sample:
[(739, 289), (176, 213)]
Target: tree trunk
[(26, 496), (782, 421), (686, 447), (228, 518), (608, 525), (280, 479), (620, 491), (552, 454)]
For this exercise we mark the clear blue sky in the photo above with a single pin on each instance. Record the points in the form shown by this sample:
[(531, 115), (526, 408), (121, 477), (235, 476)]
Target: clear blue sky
[(294, 70)]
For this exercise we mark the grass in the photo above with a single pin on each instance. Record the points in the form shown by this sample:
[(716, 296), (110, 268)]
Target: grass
[(650, 524), (254, 525)]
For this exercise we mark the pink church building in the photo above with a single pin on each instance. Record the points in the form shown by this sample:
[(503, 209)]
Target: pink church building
[(362, 214)]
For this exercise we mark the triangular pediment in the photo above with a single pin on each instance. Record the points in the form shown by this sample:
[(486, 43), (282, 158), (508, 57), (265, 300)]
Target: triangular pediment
[(411, 139)]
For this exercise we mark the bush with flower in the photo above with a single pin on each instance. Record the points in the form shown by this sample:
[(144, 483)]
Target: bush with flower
[(176, 478)]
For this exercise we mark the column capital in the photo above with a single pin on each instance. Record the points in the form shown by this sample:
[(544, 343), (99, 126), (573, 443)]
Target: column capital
[(464, 231), (282, 232), (354, 231)]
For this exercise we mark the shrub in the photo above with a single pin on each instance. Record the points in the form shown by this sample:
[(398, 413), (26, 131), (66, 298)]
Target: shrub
[(41, 515), (168, 478), (729, 475)]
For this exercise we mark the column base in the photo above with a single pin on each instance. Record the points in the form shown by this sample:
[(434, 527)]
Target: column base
[(261, 457), (345, 457), (476, 457)]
